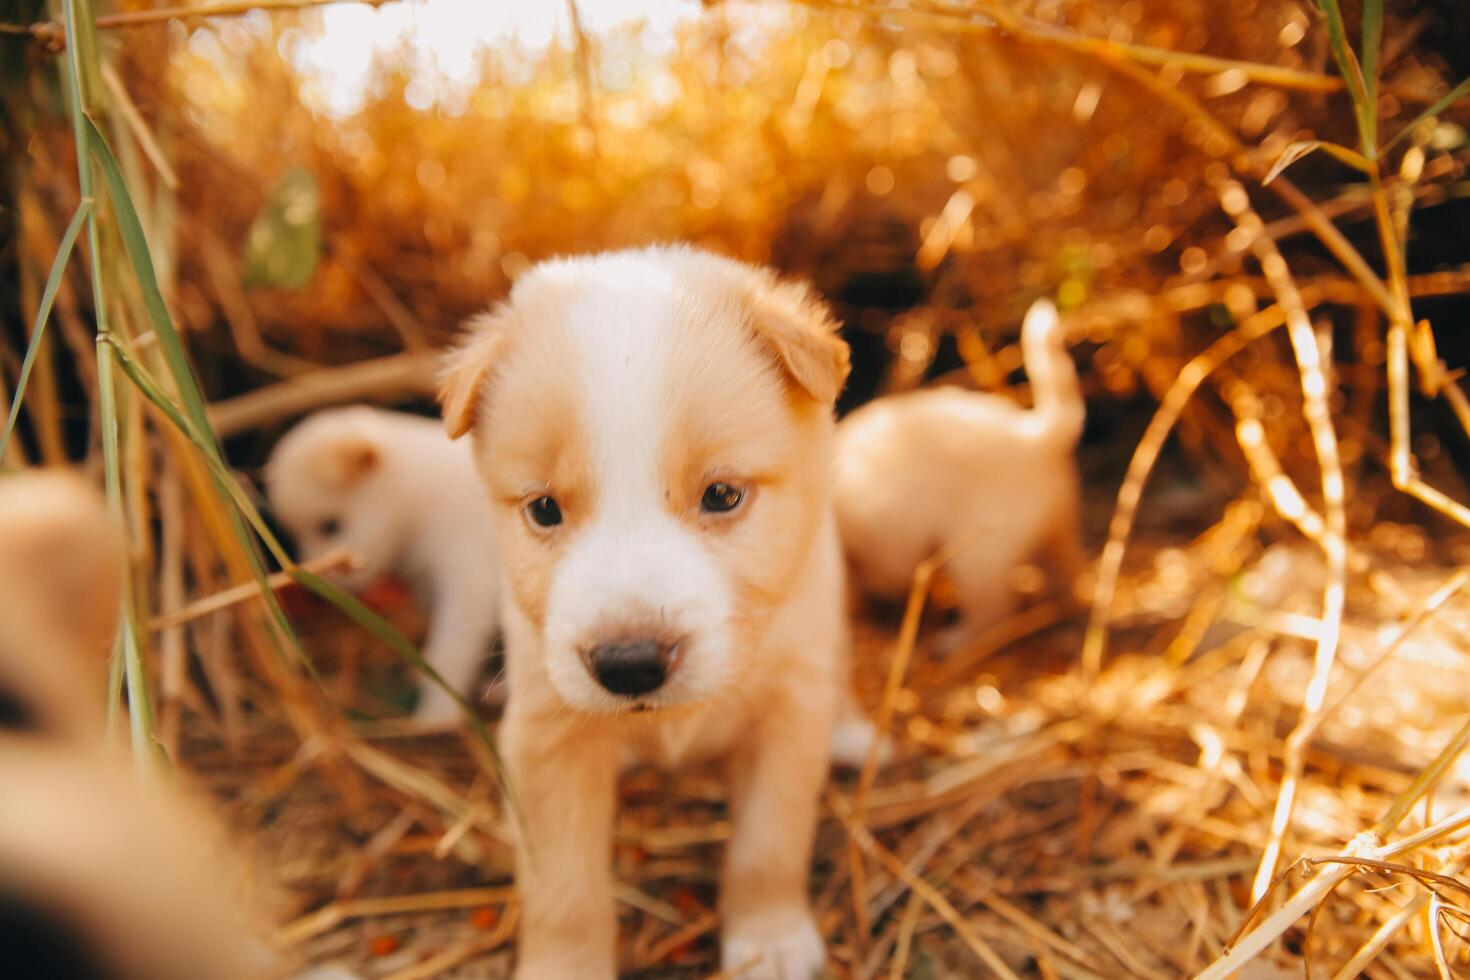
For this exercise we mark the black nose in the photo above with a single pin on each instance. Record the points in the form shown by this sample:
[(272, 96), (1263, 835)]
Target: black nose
[(630, 668)]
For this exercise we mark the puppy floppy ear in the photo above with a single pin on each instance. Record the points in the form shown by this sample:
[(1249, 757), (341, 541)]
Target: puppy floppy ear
[(350, 458), (467, 368), (798, 328)]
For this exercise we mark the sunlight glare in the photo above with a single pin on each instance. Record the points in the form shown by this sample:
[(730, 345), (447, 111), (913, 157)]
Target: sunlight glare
[(441, 41)]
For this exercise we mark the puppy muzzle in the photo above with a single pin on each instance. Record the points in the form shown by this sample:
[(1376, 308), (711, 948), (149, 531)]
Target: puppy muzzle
[(631, 668)]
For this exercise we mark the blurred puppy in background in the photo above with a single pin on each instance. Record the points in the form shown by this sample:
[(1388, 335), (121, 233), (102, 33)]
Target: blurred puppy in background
[(655, 430), (968, 473), (100, 875), (392, 490)]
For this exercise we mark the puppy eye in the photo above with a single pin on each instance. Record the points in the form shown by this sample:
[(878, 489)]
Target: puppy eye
[(329, 527), (721, 498), (544, 512)]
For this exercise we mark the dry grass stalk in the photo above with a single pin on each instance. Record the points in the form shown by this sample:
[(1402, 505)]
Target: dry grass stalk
[(382, 378), (931, 895), (1279, 488), (1380, 939), (898, 667), (140, 129), (1032, 31), (337, 912), (898, 967), (1367, 847), (1141, 464), (1334, 542), (453, 956), (170, 619), (421, 784)]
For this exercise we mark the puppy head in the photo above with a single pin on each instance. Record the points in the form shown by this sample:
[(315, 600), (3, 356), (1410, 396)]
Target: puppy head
[(328, 482), (654, 429)]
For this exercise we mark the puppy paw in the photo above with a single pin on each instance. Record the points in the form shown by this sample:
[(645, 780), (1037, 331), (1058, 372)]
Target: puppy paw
[(437, 711), (773, 946), (852, 740)]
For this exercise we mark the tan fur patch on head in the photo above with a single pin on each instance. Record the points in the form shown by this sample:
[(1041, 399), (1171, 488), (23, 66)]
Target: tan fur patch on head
[(534, 443), (467, 368), (732, 417), (346, 460)]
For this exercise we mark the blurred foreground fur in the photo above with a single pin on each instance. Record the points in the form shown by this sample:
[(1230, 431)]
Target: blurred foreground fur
[(101, 876), (969, 476), (61, 571)]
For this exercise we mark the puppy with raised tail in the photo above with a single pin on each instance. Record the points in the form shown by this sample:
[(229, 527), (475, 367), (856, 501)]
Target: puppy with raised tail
[(968, 473), (654, 428), (392, 490)]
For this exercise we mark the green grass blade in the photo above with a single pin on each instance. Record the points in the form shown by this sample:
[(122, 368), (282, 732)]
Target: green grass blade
[(140, 703), (79, 81), (1352, 74), (230, 487), (193, 421), (130, 229), (135, 243), (399, 644), (1450, 98), (1372, 47), (153, 391), (140, 709), (43, 314)]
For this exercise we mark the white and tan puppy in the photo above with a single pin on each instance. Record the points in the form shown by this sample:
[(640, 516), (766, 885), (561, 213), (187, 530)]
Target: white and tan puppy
[(654, 428), (971, 473), (401, 497)]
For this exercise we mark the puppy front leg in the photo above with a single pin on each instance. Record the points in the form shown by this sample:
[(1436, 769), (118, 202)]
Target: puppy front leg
[(775, 781), (564, 777), (460, 632)]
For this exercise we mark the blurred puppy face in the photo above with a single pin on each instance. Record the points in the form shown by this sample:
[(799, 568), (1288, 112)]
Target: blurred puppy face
[(326, 481), (650, 428)]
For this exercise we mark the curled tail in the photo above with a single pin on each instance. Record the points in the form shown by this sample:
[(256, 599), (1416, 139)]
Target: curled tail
[(1054, 389)]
